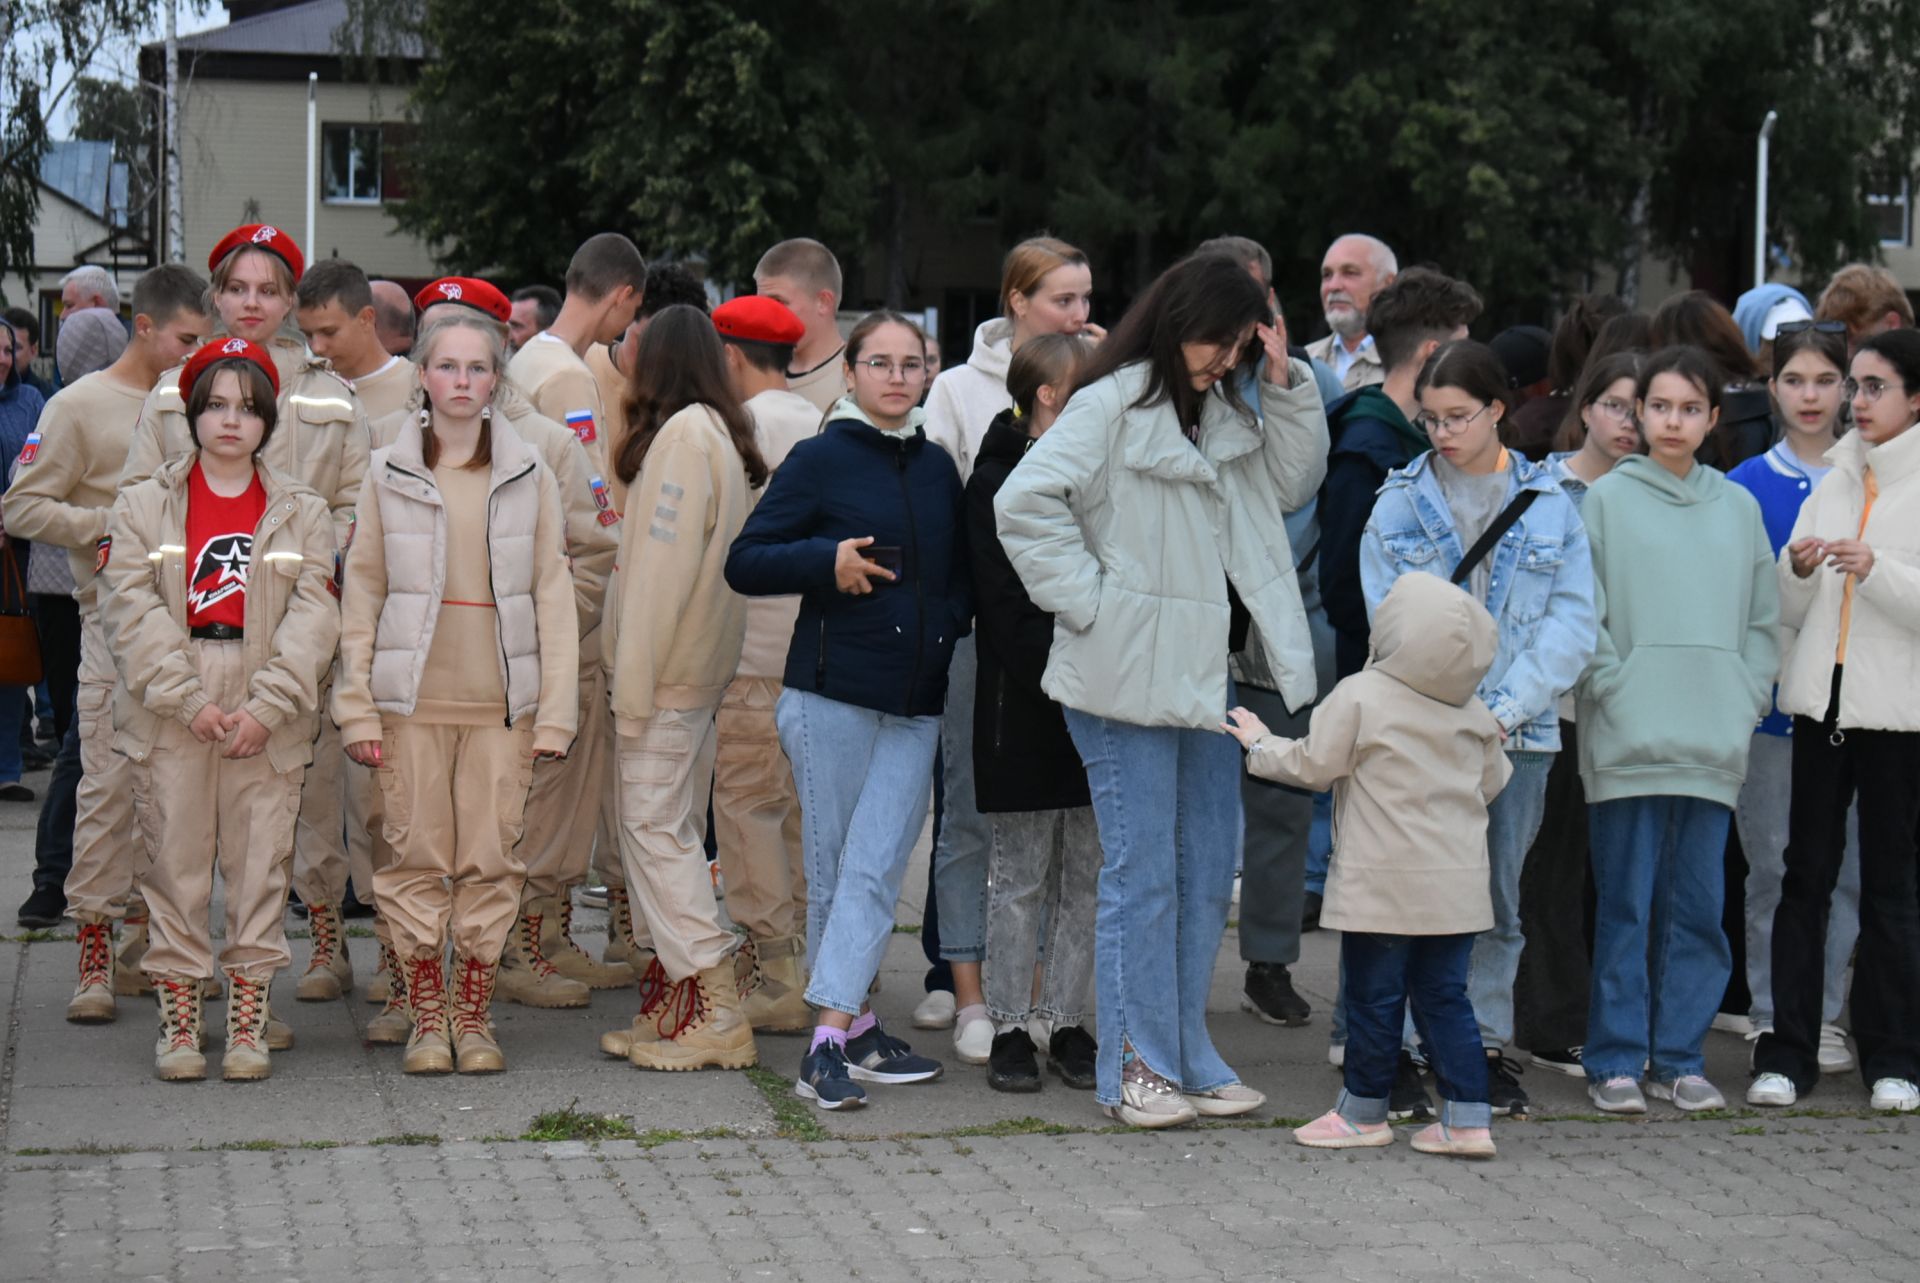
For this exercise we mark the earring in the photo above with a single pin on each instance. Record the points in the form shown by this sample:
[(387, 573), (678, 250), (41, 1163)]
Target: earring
[(426, 417), (486, 413)]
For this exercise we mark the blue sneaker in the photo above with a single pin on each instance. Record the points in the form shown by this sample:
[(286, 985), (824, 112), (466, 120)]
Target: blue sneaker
[(825, 1082), (876, 1056)]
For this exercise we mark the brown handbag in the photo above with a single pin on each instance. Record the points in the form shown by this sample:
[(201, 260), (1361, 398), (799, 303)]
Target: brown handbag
[(19, 639)]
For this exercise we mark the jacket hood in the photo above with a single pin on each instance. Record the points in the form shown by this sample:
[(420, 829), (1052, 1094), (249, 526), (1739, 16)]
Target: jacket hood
[(1891, 461), (1371, 402), (847, 410), (1434, 637), (1007, 439), (1700, 486), (992, 348)]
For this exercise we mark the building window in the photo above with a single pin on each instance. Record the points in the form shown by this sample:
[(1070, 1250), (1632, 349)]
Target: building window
[(350, 164), (1890, 208)]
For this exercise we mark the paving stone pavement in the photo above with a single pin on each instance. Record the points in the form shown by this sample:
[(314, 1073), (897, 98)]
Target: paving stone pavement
[(341, 1167)]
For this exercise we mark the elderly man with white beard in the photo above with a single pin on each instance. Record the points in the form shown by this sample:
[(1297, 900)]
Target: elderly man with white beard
[(1356, 266)]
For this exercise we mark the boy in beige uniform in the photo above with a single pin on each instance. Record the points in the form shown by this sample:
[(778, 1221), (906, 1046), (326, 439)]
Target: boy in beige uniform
[(61, 493), (804, 276), (323, 442), (605, 283)]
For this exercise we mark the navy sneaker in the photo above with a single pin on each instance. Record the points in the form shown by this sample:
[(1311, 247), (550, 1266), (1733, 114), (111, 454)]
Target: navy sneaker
[(825, 1082), (876, 1056)]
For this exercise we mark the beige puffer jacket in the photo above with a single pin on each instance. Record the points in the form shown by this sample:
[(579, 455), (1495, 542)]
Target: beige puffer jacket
[(1881, 689), (293, 622), (395, 579), (1413, 758), (320, 440)]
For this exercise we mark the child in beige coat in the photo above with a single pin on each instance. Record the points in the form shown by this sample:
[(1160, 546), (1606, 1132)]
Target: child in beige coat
[(1413, 758)]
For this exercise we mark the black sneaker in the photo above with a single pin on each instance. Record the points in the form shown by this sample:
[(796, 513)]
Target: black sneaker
[(1270, 995), (1310, 912), (1504, 1092), (15, 792), (1561, 1060), (352, 906), (1011, 1064), (1071, 1052), (826, 1080), (876, 1056), (1408, 1099), (44, 908)]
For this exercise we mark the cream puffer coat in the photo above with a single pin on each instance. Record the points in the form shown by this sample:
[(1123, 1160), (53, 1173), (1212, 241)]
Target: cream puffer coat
[(292, 624), (1881, 688), (396, 576), (1413, 758)]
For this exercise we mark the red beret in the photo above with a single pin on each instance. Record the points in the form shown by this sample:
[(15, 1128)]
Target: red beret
[(226, 350), (755, 318), (260, 236), (467, 291)]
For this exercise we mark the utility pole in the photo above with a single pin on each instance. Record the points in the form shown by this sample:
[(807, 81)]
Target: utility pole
[(176, 218), (1760, 199)]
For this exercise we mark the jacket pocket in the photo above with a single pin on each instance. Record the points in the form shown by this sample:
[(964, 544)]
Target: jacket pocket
[(1411, 550), (1534, 571), (1681, 706), (653, 779)]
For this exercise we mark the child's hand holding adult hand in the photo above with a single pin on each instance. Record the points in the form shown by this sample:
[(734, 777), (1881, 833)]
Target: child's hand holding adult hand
[(1243, 726)]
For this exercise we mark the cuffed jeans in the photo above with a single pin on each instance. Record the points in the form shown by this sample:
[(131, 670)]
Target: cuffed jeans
[(1762, 816), (1660, 957), (960, 855), (1168, 802), (1045, 875), (1513, 820), (864, 780), (1387, 974), (1273, 860)]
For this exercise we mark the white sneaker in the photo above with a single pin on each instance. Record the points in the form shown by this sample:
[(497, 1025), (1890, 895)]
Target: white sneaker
[(1337, 1054), (935, 1011), (1896, 1094), (1690, 1092), (1729, 1023), (1772, 1089), (1835, 1057), (973, 1041)]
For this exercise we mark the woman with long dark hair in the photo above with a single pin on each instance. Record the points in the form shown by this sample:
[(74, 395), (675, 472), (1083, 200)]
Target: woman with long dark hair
[(1149, 521), (673, 636)]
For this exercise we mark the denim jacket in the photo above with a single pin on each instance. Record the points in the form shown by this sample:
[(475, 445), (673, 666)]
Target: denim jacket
[(1540, 589)]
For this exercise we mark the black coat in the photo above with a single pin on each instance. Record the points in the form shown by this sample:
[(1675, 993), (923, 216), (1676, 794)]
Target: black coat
[(1023, 758)]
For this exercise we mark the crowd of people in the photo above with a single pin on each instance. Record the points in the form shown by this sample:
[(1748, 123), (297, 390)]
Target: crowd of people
[(1574, 672)]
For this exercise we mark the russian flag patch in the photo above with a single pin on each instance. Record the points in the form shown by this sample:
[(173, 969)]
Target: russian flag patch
[(31, 450), (602, 501), (581, 421), (101, 552)]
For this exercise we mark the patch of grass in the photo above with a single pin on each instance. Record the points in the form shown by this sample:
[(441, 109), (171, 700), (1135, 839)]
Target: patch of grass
[(571, 1123), (407, 1138), (39, 936), (358, 932), (92, 1149), (906, 928), (1750, 1131), (794, 1116)]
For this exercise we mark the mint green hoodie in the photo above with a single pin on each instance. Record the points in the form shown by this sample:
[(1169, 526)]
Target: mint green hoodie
[(1688, 603)]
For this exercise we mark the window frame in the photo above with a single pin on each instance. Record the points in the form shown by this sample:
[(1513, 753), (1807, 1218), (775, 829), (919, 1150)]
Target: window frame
[(375, 173), (1902, 199)]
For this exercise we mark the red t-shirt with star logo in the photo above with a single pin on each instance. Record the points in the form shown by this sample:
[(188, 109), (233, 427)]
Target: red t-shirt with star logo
[(220, 550)]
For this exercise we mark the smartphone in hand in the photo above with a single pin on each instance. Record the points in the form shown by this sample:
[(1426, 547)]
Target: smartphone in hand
[(886, 556)]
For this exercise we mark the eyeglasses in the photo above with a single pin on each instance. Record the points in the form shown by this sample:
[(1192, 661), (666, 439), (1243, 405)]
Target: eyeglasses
[(1818, 327), (1867, 390), (883, 368), (1618, 411), (1452, 423)]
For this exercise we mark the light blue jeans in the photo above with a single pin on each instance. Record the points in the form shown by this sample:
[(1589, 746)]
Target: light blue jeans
[(1762, 818), (966, 839), (864, 780), (1168, 803), (1513, 821)]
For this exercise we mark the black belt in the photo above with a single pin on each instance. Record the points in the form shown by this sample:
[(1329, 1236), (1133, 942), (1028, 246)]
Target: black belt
[(218, 632)]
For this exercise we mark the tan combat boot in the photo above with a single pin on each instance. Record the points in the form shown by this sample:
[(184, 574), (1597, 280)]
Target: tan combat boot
[(329, 971), (568, 958), (621, 946), (654, 988), (176, 1056), (777, 1002), (376, 990), (429, 1046), (92, 1001), (474, 1047), (526, 977), (391, 1027), (129, 980), (701, 1026), (246, 1058)]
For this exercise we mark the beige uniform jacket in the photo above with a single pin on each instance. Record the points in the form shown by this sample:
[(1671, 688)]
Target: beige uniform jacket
[(561, 386), (781, 420), (1413, 758), (321, 439), (293, 621), (673, 627)]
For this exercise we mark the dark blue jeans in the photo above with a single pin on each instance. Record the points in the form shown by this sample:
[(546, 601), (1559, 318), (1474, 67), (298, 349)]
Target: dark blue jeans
[(1386, 973), (53, 842)]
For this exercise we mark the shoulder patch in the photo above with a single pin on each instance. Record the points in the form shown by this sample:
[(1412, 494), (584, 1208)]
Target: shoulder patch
[(581, 423), (31, 449), (101, 552)]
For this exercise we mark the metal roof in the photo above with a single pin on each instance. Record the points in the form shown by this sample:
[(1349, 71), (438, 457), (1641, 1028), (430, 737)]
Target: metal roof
[(299, 30), (82, 171)]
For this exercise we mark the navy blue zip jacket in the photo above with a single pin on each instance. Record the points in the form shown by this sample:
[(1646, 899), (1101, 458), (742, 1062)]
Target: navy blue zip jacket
[(886, 650)]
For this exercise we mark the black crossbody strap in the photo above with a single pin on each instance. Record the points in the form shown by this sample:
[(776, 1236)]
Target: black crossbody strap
[(1484, 544)]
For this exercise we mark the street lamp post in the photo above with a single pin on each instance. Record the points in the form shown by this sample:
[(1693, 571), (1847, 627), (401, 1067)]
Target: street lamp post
[(1760, 200)]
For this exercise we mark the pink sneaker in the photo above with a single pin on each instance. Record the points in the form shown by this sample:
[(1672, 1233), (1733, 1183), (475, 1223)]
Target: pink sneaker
[(1331, 1131), (1455, 1142)]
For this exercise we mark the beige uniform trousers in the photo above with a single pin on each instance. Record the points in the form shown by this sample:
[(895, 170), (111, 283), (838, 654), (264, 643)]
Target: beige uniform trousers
[(320, 840), (109, 854), (366, 847), (666, 773), (199, 809), (756, 815), (563, 807), (455, 797)]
